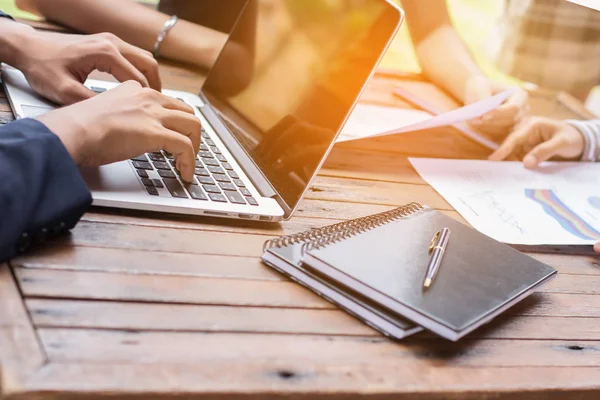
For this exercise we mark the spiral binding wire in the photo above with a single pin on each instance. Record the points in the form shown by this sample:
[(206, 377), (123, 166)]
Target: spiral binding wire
[(319, 237)]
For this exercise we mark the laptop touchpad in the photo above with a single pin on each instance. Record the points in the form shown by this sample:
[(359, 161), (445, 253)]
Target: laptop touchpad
[(35, 111)]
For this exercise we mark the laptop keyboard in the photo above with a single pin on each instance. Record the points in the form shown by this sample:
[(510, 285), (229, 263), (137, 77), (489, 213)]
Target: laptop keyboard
[(214, 177)]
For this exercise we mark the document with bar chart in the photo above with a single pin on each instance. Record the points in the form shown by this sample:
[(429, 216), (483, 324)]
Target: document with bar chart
[(556, 204)]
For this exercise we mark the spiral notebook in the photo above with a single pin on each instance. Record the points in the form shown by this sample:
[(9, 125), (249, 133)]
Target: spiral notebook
[(384, 258), (285, 255)]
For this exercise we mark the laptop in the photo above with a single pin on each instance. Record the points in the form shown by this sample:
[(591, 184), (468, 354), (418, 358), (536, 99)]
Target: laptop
[(270, 111)]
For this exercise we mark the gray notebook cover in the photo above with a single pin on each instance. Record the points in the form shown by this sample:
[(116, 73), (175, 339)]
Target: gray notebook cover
[(288, 260), (478, 279)]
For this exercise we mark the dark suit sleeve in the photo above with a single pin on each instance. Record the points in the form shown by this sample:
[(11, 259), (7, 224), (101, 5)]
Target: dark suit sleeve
[(42, 193)]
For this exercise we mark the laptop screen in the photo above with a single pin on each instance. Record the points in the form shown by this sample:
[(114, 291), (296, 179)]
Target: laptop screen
[(286, 96)]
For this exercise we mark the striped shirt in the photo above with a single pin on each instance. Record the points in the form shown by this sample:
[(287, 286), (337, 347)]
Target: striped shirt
[(591, 135)]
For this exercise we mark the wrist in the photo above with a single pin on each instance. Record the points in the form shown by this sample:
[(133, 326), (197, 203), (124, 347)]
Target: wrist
[(15, 42), (446, 61), (68, 133), (583, 140)]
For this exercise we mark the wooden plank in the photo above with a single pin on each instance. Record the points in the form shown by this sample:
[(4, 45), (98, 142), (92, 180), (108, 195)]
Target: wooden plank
[(108, 346), (443, 142), (380, 91), (165, 289), (545, 305), (322, 212), (20, 351), (299, 223), (180, 264), (311, 214), (137, 262), (334, 380), (200, 290), (374, 192), (540, 328), (323, 209), (116, 226), (558, 305), (164, 239), (337, 212), (167, 317), (130, 258), (369, 165), (4, 106), (161, 317), (580, 284), (170, 239), (130, 261), (175, 240), (576, 109), (174, 221), (6, 117), (564, 263), (573, 264)]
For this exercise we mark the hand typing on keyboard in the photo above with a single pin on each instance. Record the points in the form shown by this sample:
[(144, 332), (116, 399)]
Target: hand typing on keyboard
[(56, 65), (126, 122)]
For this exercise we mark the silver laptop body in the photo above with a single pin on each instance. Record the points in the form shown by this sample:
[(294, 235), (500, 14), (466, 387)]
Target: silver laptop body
[(270, 112)]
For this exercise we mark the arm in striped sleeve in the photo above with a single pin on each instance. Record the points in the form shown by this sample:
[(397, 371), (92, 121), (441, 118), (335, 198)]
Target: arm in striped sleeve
[(591, 134)]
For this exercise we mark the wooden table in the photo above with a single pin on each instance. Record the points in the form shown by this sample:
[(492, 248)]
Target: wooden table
[(161, 306)]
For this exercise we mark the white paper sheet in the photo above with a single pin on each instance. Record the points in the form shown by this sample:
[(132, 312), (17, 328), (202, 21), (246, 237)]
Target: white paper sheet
[(361, 124), (369, 120), (557, 204), (587, 3)]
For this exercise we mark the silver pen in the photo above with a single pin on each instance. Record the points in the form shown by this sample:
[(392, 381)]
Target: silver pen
[(437, 248)]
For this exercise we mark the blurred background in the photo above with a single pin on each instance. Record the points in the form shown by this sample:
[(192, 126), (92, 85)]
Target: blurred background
[(475, 20)]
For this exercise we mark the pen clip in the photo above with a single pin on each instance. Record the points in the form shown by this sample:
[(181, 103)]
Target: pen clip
[(434, 241)]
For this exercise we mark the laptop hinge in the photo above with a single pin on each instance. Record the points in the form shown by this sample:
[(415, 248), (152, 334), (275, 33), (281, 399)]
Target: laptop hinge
[(254, 173)]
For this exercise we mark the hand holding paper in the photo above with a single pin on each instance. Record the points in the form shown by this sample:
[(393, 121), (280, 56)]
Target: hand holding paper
[(411, 120), (498, 122)]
